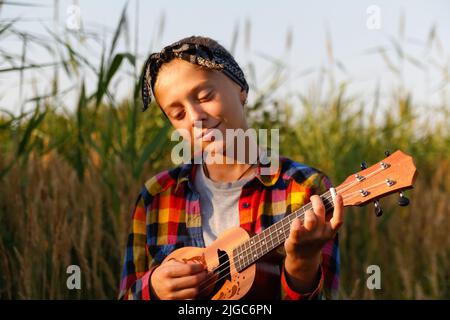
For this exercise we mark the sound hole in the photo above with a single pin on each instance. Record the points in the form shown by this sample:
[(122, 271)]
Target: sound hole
[(221, 273)]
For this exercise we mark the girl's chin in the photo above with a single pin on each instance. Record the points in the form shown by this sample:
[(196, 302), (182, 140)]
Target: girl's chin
[(208, 147)]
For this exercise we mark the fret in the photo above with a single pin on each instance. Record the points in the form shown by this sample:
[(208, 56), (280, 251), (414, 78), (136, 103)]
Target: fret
[(274, 234), (279, 232), (239, 257), (264, 247), (247, 254), (244, 255), (285, 227), (251, 250), (269, 236), (258, 249), (236, 257), (254, 250)]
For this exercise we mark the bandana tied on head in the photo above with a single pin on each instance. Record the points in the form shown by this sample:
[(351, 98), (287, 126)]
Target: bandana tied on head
[(193, 50)]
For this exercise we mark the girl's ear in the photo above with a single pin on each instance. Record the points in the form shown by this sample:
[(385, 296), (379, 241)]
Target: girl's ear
[(243, 96)]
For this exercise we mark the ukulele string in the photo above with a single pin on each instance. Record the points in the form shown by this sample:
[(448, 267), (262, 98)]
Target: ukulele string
[(340, 188), (301, 214), (368, 188)]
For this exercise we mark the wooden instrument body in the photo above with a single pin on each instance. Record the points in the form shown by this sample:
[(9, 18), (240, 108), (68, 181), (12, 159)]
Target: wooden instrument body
[(258, 281)]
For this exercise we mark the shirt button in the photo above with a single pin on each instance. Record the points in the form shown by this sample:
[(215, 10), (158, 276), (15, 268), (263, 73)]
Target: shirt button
[(246, 205)]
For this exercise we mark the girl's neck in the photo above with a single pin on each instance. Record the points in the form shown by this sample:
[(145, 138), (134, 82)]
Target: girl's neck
[(228, 172)]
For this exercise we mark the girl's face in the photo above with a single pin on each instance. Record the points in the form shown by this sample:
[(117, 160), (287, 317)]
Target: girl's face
[(192, 96)]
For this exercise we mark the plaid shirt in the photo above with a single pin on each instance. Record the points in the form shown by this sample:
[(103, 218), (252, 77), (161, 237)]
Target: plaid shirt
[(167, 216)]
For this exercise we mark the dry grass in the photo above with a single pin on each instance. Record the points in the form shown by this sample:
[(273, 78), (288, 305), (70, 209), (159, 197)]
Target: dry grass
[(68, 181)]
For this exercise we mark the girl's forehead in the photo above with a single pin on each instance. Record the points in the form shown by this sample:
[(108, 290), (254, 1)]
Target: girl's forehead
[(182, 67), (179, 78), (183, 74)]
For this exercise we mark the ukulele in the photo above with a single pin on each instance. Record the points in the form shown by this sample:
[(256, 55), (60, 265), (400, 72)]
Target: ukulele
[(237, 261)]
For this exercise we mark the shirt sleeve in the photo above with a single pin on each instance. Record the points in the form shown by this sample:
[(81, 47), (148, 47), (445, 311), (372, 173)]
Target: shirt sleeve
[(328, 284), (137, 265)]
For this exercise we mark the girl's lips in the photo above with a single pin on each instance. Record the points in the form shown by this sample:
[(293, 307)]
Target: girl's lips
[(208, 133)]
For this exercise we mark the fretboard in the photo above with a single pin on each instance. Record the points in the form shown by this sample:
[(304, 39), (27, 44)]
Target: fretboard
[(272, 237)]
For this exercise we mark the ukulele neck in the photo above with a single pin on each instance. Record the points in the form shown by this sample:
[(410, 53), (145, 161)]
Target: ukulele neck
[(395, 173), (272, 237)]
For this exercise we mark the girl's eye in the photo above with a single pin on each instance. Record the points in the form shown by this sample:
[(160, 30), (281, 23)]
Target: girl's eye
[(206, 97), (178, 115)]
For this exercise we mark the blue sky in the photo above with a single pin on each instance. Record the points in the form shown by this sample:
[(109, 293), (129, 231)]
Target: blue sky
[(270, 22)]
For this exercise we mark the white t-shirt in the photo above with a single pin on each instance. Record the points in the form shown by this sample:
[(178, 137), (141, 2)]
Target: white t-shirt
[(219, 204)]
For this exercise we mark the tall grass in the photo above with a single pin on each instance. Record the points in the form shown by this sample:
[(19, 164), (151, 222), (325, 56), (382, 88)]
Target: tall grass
[(68, 180)]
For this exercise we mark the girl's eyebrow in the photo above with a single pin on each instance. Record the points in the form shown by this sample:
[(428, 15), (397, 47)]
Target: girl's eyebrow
[(198, 87)]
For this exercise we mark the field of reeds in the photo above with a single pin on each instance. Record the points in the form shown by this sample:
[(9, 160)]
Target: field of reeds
[(69, 179)]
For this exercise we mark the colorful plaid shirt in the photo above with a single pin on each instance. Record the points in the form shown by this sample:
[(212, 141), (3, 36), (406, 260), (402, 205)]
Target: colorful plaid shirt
[(167, 216)]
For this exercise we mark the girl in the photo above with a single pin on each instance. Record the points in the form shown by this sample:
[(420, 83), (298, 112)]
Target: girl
[(202, 91)]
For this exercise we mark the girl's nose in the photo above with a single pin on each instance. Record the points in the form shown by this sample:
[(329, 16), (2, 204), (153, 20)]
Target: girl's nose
[(196, 113)]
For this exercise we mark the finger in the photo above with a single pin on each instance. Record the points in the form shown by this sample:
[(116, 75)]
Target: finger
[(338, 213), (294, 233), (187, 282), (310, 221), (318, 208), (184, 269)]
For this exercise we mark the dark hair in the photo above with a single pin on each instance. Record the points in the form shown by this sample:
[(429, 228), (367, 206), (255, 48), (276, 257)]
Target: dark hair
[(204, 41)]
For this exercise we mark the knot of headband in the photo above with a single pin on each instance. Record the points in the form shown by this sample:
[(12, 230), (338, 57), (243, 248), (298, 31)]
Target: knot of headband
[(215, 58)]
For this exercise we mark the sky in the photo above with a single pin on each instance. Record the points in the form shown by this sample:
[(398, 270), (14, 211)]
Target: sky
[(310, 24)]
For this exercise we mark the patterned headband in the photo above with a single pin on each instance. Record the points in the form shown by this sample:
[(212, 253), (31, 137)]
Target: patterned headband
[(215, 58)]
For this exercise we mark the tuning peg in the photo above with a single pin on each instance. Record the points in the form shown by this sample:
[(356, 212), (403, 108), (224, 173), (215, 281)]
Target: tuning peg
[(363, 165), (387, 153), (378, 209), (402, 200)]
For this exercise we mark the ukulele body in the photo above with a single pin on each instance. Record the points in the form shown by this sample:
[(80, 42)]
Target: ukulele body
[(258, 281)]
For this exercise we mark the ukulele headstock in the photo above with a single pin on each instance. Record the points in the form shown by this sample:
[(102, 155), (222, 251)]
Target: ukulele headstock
[(395, 173)]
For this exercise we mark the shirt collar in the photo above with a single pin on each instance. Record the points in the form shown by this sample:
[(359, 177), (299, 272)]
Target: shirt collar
[(267, 172)]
